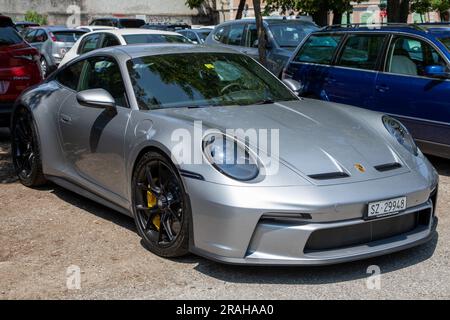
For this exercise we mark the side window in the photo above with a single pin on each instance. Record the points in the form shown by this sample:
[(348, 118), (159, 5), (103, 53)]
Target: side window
[(221, 34), (89, 43), (110, 40), (318, 49), (235, 34), (191, 36), (362, 51), (40, 36), (69, 76), (30, 35), (251, 35), (102, 72), (410, 56)]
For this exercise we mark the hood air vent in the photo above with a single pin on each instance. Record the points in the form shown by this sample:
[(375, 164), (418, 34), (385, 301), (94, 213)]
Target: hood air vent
[(329, 175), (388, 167)]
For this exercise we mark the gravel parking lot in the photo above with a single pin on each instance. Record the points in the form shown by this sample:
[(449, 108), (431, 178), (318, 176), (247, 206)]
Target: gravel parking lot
[(44, 231)]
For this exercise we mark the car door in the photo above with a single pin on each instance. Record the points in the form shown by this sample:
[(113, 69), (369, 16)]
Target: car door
[(352, 79), (37, 38), (404, 90), (92, 139)]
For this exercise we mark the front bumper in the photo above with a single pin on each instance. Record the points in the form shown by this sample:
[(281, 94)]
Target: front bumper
[(237, 225)]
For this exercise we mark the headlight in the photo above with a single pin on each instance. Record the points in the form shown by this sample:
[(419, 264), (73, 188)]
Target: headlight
[(230, 157), (400, 133)]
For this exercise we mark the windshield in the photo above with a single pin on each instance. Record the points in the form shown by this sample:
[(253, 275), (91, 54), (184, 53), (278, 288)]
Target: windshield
[(446, 42), (68, 36), (132, 23), (9, 36), (203, 79), (154, 38), (290, 34)]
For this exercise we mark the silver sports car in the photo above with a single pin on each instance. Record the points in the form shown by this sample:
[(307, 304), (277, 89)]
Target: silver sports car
[(212, 154)]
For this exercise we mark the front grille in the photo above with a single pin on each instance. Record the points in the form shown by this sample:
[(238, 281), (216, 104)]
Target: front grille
[(364, 233)]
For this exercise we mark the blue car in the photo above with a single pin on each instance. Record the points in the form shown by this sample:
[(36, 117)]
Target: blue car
[(401, 70)]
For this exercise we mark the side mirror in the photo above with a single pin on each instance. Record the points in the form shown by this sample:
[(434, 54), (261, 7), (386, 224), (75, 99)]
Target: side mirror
[(96, 98), (295, 86), (437, 71)]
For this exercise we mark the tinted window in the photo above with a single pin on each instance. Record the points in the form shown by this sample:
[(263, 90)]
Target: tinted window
[(410, 56), (30, 35), (221, 34), (104, 22), (202, 79), (104, 73), (291, 34), (318, 49), (446, 42), (132, 23), (40, 36), (235, 34), (190, 35), (361, 51), (154, 38), (9, 36), (89, 43), (110, 40), (68, 36), (251, 35), (69, 76)]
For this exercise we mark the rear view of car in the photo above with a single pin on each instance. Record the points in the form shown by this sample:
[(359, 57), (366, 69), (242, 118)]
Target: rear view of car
[(19, 69), (53, 43)]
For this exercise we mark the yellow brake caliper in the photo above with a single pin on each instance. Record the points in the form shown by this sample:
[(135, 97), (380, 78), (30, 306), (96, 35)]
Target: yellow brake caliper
[(151, 202)]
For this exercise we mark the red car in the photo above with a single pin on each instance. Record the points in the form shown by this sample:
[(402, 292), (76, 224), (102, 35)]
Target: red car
[(19, 68)]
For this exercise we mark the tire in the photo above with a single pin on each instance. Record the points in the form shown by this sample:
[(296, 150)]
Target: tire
[(25, 149), (44, 67), (164, 213)]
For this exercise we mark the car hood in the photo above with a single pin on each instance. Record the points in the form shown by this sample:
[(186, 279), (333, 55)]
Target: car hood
[(320, 141)]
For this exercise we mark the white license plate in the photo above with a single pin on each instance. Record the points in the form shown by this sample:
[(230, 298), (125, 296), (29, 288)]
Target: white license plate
[(386, 207)]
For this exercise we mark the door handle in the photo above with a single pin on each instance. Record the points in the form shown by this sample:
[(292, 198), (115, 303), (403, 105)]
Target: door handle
[(65, 118), (382, 88)]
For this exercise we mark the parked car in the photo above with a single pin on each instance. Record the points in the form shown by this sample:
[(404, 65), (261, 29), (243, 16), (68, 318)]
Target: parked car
[(94, 28), (6, 22), (19, 69), (53, 43), (346, 184), (196, 35), (121, 23), (400, 70), (120, 37), (22, 26), (166, 26), (283, 36)]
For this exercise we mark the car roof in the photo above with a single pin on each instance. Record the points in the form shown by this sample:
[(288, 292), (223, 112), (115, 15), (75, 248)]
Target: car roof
[(133, 31), (115, 18), (56, 28), (416, 29), (27, 23), (140, 50)]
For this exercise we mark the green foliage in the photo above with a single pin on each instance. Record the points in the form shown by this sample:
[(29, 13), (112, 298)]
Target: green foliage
[(424, 6), (33, 16)]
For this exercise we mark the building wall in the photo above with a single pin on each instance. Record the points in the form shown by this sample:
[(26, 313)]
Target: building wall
[(59, 11)]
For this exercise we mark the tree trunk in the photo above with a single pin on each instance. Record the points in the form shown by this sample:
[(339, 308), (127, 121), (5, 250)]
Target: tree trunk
[(337, 17), (397, 11), (240, 9), (320, 17), (261, 32)]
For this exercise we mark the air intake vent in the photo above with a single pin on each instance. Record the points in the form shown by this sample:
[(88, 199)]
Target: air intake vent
[(329, 175), (388, 167)]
